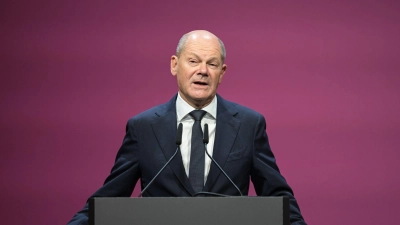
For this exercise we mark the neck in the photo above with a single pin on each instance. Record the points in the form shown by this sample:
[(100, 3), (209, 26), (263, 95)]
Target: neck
[(197, 104)]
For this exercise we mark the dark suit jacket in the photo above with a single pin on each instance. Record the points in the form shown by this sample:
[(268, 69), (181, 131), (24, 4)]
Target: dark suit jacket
[(241, 148)]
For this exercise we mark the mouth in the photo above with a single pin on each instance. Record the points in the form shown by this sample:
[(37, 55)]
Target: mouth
[(200, 83)]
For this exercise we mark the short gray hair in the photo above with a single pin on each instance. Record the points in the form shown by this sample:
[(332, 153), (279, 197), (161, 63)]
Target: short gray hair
[(182, 43)]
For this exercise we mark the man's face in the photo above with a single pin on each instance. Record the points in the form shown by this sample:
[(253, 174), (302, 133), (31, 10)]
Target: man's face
[(199, 70)]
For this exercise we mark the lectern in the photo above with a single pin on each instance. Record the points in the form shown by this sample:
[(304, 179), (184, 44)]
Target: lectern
[(189, 211)]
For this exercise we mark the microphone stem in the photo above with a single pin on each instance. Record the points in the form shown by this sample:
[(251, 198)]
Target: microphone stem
[(226, 175), (166, 164)]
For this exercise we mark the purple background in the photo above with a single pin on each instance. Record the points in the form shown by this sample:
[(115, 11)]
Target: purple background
[(325, 74)]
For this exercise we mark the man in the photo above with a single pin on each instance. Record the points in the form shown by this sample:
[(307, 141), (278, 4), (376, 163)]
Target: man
[(237, 138)]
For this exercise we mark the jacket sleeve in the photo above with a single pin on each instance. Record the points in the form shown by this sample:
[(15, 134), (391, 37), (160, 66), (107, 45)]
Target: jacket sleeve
[(266, 176), (123, 177)]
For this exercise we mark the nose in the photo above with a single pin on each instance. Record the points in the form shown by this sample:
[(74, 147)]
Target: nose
[(203, 69)]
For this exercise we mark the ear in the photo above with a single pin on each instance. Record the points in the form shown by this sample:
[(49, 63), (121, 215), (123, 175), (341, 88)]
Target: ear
[(174, 65), (223, 70)]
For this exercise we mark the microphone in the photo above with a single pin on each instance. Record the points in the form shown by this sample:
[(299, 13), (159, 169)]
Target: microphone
[(205, 136), (205, 141), (178, 142), (178, 139)]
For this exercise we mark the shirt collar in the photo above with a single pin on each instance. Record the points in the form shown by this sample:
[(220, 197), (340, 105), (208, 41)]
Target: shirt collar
[(183, 108)]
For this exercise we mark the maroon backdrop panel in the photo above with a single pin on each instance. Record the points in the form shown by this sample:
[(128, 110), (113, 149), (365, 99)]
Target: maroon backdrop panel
[(325, 74)]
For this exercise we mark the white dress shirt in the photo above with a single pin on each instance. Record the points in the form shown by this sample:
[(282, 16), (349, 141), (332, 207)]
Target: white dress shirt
[(182, 113)]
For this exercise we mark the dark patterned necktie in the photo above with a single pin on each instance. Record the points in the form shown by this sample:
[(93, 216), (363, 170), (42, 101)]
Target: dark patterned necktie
[(197, 158)]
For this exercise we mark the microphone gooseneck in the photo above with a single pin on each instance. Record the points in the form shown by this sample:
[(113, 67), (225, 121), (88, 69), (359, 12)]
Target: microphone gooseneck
[(205, 141), (178, 142)]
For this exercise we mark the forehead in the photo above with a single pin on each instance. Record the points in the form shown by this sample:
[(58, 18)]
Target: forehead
[(203, 47)]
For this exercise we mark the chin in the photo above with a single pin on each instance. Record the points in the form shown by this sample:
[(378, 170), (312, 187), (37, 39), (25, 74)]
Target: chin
[(200, 97)]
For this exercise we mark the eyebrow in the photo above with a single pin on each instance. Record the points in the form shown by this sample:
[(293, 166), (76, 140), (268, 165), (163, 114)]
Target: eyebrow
[(194, 54), (197, 56)]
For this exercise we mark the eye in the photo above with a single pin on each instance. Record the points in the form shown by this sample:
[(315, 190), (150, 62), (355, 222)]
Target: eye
[(192, 61)]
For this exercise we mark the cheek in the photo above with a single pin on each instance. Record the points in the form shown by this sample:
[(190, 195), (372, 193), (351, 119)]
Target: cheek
[(183, 80), (217, 80)]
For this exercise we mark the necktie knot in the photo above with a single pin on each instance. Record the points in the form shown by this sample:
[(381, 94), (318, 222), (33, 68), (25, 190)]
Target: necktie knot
[(197, 114)]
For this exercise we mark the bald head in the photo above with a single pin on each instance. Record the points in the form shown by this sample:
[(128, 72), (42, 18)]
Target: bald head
[(198, 35)]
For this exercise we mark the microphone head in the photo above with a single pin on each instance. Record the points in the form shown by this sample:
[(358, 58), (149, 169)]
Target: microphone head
[(178, 140), (205, 136)]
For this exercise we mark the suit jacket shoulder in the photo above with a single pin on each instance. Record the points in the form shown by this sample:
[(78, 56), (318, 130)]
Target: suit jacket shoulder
[(152, 114), (240, 112)]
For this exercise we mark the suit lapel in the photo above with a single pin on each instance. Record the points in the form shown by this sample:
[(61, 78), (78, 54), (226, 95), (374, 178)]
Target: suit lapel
[(225, 135), (165, 130)]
